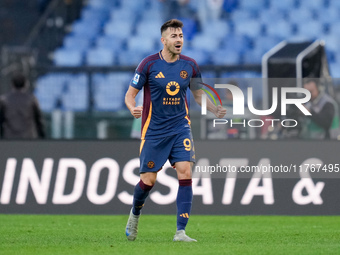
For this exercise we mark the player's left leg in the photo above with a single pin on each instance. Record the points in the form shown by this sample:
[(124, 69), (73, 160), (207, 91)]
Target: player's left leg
[(184, 199), (182, 157)]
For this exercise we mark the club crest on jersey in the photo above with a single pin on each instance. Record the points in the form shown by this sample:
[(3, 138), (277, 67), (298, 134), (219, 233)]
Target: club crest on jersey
[(172, 88), (151, 164), (183, 74), (136, 79)]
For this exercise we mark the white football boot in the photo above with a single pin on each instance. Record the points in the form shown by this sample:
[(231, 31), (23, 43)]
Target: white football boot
[(132, 227), (180, 236)]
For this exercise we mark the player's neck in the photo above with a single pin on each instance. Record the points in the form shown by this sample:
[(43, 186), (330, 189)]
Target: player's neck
[(169, 57)]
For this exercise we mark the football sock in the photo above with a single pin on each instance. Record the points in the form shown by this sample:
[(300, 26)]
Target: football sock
[(141, 192), (184, 201)]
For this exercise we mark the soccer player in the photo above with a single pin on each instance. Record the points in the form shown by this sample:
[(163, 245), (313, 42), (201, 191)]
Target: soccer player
[(166, 133)]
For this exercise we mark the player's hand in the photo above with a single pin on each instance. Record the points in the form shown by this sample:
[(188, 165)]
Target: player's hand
[(137, 111), (220, 111)]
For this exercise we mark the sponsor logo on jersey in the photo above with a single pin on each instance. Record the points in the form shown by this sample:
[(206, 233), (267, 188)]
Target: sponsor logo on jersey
[(136, 79), (172, 88), (183, 74), (160, 75)]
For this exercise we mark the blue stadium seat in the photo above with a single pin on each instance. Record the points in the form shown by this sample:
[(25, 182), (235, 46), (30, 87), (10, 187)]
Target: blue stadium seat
[(141, 43), (331, 56), (253, 56), (120, 30), (102, 4), (131, 58), (253, 5), (206, 43), (235, 42), (121, 79), (86, 28), (149, 29), (313, 29), (334, 29), (266, 17), (120, 16), (282, 29), (314, 4), (200, 56), (251, 28), (110, 42), (99, 15), (152, 15), (100, 57), (282, 5), (265, 43), (300, 15), (208, 74), (334, 4), (216, 29), (241, 15), (335, 70), (225, 57), (48, 90), (65, 57), (76, 42), (76, 96), (329, 15), (332, 42), (133, 6), (110, 90), (75, 102)]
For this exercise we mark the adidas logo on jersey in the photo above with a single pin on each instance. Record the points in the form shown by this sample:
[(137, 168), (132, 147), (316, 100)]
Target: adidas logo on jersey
[(184, 215), (160, 75)]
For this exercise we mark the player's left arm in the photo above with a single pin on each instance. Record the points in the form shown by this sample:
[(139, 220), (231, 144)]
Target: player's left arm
[(219, 111)]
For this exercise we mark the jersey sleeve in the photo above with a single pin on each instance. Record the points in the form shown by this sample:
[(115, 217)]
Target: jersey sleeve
[(196, 81), (140, 76)]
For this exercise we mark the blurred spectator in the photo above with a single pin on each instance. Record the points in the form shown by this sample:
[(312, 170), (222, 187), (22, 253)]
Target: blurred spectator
[(20, 115), (209, 10), (324, 121), (177, 9)]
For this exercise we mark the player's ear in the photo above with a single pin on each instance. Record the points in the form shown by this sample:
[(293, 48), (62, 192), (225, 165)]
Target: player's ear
[(163, 40)]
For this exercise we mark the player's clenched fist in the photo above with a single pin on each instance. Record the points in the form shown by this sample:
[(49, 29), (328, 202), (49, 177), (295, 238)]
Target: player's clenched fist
[(137, 111), (220, 111)]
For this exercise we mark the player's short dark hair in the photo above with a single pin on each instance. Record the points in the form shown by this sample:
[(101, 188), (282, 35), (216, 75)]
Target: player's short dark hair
[(174, 23), (18, 80)]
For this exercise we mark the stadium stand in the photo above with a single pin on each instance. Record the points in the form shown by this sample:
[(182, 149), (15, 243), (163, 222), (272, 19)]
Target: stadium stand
[(121, 33)]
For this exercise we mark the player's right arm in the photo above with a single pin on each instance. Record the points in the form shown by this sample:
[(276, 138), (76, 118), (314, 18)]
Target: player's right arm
[(130, 101)]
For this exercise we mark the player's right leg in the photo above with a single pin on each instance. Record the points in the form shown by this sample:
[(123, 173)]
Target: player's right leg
[(152, 158)]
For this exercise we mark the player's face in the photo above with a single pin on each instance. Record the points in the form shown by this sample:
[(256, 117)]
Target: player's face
[(172, 39)]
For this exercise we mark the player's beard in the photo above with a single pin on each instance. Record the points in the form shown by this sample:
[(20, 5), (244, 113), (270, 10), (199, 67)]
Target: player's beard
[(174, 51)]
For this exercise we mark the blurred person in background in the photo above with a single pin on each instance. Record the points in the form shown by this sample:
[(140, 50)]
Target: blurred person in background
[(177, 8), (209, 10), (20, 115), (324, 121)]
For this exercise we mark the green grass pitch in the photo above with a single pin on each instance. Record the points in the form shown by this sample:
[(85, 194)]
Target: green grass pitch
[(80, 234)]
